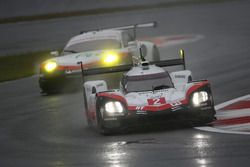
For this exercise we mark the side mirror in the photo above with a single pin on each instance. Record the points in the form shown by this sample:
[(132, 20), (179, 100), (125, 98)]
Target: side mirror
[(54, 53), (93, 90)]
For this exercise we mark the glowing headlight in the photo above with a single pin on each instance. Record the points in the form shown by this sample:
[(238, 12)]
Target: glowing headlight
[(199, 97), (50, 66), (110, 57), (113, 107)]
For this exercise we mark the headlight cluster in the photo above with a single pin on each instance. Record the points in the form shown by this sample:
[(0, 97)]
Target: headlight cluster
[(199, 97), (110, 58), (50, 66), (113, 107)]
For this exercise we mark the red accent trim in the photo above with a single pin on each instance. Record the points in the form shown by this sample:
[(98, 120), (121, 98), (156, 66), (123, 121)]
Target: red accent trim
[(113, 96), (61, 67), (232, 121), (238, 105), (195, 87)]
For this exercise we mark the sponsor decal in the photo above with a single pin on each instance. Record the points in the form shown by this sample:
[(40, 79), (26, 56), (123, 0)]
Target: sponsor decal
[(87, 55), (176, 106), (157, 101), (139, 108), (162, 91), (141, 112)]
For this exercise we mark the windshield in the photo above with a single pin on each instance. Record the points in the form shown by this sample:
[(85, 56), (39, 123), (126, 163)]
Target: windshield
[(148, 82), (101, 44)]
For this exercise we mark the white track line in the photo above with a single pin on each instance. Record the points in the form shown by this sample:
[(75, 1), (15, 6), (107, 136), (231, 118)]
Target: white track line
[(243, 127), (211, 129)]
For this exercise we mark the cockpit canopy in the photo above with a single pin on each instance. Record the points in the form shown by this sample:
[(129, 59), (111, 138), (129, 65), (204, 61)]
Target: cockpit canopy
[(149, 82)]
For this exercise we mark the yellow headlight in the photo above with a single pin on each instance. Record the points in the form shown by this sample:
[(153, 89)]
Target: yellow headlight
[(50, 66), (110, 57)]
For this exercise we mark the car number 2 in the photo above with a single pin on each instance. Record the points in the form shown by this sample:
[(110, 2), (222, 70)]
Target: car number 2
[(157, 101)]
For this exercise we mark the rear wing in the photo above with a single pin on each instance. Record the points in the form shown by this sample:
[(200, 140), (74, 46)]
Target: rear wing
[(141, 25), (173, 62), (124, 68), (127, 27)]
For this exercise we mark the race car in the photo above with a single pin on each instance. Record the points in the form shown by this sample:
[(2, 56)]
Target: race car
[(98, 48), (147, 93)]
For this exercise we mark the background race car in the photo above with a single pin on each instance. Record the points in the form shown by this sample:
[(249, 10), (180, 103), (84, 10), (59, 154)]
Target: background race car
[(100, 48), (147, 93)]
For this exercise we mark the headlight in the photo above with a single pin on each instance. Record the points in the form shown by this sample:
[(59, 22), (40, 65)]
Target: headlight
[(110, 58), (50, 66), (199, 97), (113, 107)]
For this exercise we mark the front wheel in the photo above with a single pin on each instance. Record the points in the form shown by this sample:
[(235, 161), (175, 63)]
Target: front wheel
[(51, 85), (204, 119), (100, 125)]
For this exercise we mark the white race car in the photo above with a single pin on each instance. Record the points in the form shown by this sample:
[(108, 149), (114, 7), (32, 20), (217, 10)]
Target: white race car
[(146, 93), (103, 48)]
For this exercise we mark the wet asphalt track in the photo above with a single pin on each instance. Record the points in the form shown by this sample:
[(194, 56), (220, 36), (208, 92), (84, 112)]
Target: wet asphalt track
[(44, 131)]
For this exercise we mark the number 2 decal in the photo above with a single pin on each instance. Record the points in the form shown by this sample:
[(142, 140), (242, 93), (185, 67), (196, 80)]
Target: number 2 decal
[(157, 101)]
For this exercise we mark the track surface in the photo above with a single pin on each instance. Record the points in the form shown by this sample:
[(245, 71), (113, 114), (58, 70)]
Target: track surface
[(50, 130)]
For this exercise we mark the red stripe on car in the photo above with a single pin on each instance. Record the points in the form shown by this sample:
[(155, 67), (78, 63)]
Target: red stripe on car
[(66, 67), (195, 87), (113, 96)]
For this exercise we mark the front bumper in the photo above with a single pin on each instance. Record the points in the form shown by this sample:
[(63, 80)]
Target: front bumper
[(57, 80), (144, 118)]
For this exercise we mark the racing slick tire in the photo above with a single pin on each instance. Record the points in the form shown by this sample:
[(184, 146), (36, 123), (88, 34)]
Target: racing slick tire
[(50, 86), (100, 125)]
